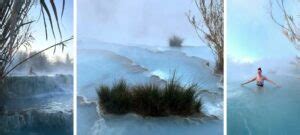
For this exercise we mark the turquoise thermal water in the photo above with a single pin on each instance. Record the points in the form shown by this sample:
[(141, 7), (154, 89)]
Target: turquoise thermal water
[(104, 63), (267, 110)]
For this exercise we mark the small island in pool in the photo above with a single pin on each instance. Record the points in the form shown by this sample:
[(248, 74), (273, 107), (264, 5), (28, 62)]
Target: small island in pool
[(150, 99)]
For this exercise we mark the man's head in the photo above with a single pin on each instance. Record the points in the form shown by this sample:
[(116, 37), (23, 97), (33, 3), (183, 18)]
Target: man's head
[(259, 71)]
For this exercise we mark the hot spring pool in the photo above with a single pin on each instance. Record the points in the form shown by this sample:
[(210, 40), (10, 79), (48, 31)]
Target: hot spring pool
[(37, 105), (264, 111), (104, 63)]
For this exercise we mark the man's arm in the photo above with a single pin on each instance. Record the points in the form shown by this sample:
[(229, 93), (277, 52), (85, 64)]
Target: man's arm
[(272, 82), (253, 79)]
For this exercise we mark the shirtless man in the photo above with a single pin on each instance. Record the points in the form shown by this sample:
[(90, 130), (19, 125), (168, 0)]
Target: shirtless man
[(260, 79)]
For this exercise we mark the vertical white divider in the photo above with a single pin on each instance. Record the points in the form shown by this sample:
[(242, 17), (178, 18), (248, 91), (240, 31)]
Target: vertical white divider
[(225, 70), (75, 68)]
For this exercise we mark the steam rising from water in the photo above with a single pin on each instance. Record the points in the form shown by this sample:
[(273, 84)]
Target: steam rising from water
[(137, 21), (104, 63)]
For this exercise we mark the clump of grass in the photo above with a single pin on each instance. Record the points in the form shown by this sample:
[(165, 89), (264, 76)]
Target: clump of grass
[(175, 41), (147, 100), (115, 100), (150, 99)]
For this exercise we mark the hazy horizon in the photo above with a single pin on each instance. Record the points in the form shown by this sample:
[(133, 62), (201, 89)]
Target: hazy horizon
[(136, 22), (252, 34)]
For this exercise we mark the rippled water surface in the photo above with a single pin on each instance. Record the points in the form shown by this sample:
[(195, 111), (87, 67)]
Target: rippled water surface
[(269, 110)]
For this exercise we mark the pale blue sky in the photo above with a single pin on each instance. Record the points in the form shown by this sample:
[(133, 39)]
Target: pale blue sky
[(38, 31), (252, 35)]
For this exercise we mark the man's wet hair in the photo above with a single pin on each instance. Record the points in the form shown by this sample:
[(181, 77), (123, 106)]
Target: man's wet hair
[(259, 68)]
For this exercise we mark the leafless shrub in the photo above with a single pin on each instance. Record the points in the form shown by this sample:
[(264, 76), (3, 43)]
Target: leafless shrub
[(209, 27)]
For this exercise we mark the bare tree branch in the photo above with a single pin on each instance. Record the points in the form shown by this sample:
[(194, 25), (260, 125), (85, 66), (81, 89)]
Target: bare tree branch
[(209, 27), (288, 25)]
